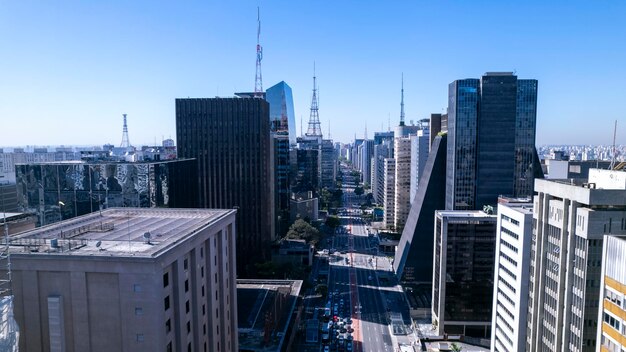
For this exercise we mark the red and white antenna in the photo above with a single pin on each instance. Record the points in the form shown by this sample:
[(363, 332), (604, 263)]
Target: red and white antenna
[(258, 81)]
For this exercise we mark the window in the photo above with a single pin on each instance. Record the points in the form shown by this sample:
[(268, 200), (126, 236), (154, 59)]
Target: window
[(203, 309), (166, 279), (136, 288), (188, 327), (169, 347), (201, 252), (202, 290), (204, 328), (202, 271), (138, 311), (187, 307), (168, 325), (189, 347), (186, 264), (139, 337), (187, 285), (215, 277), (166, 302)]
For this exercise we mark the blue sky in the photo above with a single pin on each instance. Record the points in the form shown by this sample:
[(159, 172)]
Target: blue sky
[(69, 69)]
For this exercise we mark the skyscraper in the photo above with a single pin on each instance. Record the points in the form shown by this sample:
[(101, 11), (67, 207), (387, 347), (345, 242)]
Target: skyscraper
[(230, 139), (570, 222), (282, 116), (611, 331), (491, 136)]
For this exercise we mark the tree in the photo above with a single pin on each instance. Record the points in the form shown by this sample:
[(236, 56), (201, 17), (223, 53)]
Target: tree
[(455, 348), (302, 230), (332, 222), (359, 191)]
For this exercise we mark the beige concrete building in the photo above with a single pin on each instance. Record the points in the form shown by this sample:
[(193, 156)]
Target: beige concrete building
[(402, 188), (389, 191), (128, 280), (612, 312), (570, 221)]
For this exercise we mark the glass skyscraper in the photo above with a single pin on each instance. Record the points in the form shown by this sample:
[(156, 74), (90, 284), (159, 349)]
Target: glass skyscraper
[(282, 116), (491, 126)]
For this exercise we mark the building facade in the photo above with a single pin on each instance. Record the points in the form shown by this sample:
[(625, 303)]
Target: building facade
[(389, 166), (402, 188), (63, 190), (128, 280), (510, 289), (570, 221), (230, 139), (420, 147), (612, 312), (282, 116), (491, 126), (328, 164), (463, 266)]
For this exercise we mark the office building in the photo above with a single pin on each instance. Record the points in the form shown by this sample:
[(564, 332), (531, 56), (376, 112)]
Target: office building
[(571, 219), (491, 137), (305, 170), (8, 196), (281, 171), (230, 139), (62, 190), (463, 268), (128, 280), (402, 188), (420, 147), (366, 151), (381, 137), (328, 164), (414, 257), (282, 116), (389, 166), (381, 152), (510, 288), (612, 313)]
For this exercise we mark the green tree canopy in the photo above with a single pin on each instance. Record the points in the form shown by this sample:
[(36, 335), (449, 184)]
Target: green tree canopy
[(302, 230)]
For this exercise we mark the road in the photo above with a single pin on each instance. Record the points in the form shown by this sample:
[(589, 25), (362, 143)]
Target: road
[(356, 280)]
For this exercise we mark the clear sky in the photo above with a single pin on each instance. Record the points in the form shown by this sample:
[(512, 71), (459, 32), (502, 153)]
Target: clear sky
[(69, 69)]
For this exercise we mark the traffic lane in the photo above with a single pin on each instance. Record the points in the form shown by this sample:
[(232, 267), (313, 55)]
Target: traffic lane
[(374, 321)]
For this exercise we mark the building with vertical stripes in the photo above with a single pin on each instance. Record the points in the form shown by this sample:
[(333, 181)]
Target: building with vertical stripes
[(612, 312), (230, 139), (131, 279)]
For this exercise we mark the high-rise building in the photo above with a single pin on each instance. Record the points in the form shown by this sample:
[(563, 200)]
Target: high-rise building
[(128, 280), (230, 139), (414, 257), (612, 312), (463, 273), (491, 137), (281, 179), (366, 151), (570, 220), (510, 288), (328, 164), (62, 190), (381, 152), (389, 166), (402, 188), (282, 116), (305, 170), (420, 147)]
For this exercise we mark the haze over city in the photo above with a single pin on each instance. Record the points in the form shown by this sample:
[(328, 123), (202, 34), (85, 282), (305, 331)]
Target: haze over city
[(69, 67)]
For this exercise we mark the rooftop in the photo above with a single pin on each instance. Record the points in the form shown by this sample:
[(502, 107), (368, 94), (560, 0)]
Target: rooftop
[(464, 214), (121, 232)]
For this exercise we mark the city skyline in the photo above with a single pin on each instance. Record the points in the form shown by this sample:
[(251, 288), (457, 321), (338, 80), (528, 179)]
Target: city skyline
[(72, 66)]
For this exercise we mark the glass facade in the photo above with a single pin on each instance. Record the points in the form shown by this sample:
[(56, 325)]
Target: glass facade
[(282, 115), (57, 191), (491, 126)]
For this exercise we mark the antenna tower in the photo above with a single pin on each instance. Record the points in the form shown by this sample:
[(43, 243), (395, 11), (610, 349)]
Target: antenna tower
[(402, 102), (314, 129), (125, 141), (258, 80), (614, 150)]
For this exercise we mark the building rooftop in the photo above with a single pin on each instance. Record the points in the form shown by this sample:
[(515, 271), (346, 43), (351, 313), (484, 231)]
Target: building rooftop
[(121, 232), (464, 214)]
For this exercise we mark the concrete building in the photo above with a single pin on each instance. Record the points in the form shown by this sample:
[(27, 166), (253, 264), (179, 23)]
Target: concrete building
[(571, 219), (8, 196), (381, 151), (414, 258), (230, 139), (612, 313), (402, 188), (389, 166), (566, 169), (17, 222), (128, 280), (366, 151), (463, 266), (304, 205), (420, 147), (512, 262)]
